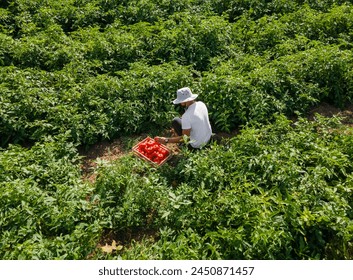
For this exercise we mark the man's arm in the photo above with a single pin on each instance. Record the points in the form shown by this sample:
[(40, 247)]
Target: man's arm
[(177, 139)]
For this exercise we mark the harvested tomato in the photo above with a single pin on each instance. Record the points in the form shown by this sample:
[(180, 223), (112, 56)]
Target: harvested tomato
[(149, 149), (151, 142), (152, 150), (142, 146)]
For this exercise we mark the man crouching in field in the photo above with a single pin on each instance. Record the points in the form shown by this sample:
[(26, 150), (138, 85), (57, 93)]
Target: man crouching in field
[(194, 123)]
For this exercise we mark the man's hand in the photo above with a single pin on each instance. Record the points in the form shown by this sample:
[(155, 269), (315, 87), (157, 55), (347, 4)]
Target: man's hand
[(161, 140)]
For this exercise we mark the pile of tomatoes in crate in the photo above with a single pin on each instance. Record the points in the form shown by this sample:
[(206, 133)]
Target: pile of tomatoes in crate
[(152, 150)]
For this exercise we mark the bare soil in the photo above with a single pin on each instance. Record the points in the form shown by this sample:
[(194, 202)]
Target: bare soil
[(105, 150), (329, 111)]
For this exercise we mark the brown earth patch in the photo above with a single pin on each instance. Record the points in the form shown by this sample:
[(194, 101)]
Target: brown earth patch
[(329, 111), (105, 150)]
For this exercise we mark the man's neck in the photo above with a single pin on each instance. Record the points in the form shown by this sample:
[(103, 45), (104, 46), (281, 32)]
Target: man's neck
[(188, 104)]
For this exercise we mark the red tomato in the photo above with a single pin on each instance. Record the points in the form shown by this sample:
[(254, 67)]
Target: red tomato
[(153, 154), (142, 146), (150, 142), (153, 150)]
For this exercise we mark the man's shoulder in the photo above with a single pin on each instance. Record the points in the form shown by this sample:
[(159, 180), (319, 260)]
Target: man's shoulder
[(201, 103), (201, 106)]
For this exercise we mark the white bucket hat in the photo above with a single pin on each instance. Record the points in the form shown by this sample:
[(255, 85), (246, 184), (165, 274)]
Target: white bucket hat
[(183, 95)]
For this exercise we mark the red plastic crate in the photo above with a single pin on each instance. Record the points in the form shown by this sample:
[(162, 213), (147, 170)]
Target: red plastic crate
[(137, 152)]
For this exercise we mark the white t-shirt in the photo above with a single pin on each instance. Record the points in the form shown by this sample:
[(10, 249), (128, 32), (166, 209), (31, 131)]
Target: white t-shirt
[(196, 119)]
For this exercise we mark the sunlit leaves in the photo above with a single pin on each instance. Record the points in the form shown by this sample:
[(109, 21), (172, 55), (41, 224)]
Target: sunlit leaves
[(75, 72)]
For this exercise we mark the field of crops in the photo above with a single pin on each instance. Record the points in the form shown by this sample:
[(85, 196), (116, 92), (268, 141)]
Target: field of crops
[(74, 73)]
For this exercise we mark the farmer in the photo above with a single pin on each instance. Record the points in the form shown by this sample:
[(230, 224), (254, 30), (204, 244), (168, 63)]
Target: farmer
[(194, 123)]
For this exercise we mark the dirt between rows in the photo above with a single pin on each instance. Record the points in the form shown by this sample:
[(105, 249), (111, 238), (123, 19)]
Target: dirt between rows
[(105, 150), (328, 110)]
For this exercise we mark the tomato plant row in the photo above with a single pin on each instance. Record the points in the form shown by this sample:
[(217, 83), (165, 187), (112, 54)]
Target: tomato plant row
[(83, 73)]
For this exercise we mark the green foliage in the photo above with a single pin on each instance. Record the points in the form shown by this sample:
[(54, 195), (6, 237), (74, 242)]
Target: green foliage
[(259, 8), (284, 58), (281, 191), (44, 212), (76, 72), (129, 193), (192, 39), (37, 103)]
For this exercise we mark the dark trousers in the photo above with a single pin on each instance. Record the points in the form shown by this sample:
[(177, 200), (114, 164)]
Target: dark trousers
[(176, 124)]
